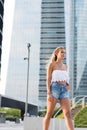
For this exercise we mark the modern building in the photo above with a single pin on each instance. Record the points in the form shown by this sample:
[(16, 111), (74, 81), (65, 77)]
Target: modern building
[(12, 103), (77, 46), (80, 19), (52, 36), (1, 29), (65, 22), (21, 26), (70, 43)]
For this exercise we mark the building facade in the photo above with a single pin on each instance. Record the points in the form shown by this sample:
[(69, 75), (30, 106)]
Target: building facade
[(78, 46), (24, 28), (1, 29), (80, 19), (65, 22), (52, 36)]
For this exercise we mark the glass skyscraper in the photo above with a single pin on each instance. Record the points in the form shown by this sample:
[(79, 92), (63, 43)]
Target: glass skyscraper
[(80, 19), (58, 27), (22, 22), (78, 47), (52, 36), (1, 28)]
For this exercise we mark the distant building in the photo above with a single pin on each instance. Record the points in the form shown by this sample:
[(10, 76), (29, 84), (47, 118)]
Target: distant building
[(52, 36)]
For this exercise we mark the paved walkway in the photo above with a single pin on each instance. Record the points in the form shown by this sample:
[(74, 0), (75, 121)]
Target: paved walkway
[(11, 126), (80, 128), (20, 126)]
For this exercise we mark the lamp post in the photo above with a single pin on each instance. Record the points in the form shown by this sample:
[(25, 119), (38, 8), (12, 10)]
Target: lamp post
[(27, 58)]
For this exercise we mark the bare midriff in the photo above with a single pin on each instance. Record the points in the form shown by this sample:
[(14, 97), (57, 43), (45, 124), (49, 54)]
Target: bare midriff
[(61, 82)]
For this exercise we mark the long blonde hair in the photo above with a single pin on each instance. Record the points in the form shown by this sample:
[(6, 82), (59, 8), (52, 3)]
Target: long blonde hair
[(54, 54)]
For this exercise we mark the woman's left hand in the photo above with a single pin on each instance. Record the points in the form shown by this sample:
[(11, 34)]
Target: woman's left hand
[(67, 87)]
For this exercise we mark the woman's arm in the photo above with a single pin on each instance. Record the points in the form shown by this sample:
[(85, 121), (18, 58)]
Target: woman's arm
[(67, 84), (48, 78)]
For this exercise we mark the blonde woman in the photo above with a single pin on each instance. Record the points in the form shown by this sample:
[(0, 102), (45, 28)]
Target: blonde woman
[(57, 88)]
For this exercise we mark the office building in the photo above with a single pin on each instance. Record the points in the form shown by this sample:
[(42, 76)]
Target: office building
[(52, 36), (21, 27), (80, 19), (77, 46)]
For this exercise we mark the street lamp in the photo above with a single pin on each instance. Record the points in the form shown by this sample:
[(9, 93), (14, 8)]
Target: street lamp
[(27, 58)]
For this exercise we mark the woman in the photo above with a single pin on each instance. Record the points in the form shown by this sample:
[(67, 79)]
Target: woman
[(57, 88)]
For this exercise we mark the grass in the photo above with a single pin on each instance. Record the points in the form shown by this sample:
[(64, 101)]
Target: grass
[(80, 119)]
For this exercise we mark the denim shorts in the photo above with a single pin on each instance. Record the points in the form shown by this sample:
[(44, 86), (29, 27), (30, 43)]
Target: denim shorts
[(59, 91)]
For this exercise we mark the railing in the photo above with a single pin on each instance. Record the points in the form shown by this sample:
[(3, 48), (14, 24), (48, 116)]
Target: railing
[(57, 112), (79, 99)]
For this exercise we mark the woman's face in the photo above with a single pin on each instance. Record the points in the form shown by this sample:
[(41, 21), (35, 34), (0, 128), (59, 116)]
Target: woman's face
[(61, 54)]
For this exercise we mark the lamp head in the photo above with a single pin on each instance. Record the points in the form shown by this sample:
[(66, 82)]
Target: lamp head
[(28, 45)]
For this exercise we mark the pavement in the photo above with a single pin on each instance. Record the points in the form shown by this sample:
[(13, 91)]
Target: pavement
[(11, 126), (80, 128), (20, 126)]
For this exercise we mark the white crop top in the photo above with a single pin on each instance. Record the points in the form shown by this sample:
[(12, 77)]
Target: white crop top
[(60, 75)]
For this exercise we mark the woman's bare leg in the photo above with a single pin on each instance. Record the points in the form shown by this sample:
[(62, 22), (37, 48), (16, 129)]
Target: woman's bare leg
[(50, 108), (65, 105)]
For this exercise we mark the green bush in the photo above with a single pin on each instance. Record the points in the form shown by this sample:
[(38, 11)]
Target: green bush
[(80, 119), (42, 113), (11, 112)]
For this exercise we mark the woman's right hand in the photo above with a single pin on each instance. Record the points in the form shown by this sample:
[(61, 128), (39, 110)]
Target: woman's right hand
[(50, 97)]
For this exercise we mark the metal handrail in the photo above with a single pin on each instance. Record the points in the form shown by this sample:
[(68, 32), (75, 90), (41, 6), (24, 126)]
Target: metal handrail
[(57, 113), (81, 98)]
